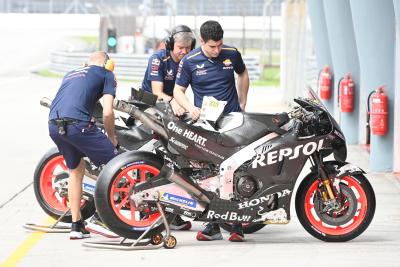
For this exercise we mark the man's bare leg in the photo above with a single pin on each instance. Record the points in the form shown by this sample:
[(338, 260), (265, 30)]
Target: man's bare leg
[(75, 190)]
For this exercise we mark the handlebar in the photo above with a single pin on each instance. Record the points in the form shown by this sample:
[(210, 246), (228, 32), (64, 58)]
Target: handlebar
[(302, 114), (45, 102), (296, 128)]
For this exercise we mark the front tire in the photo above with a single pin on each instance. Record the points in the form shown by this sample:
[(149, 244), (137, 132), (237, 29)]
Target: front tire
[(356, 216), (50, 172), (112, 193)]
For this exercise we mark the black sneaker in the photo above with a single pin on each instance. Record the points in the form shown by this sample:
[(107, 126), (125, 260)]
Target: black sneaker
[(211, 232), (179, 224), (237, 233), (78, 231)]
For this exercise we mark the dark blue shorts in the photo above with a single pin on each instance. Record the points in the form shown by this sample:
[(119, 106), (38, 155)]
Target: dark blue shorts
[(83, 139)]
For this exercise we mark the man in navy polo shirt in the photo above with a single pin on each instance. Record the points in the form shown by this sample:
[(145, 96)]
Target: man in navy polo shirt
[(73, 131), (162, 66), (160, 76), (210, 70)]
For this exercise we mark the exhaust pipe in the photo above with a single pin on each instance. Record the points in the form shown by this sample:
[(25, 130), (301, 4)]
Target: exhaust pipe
[(190, 188), (140, 115)]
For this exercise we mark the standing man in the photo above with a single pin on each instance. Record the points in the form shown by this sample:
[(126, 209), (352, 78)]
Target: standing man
[(160, 76), (162, 66), (210, 70), (73, 131)]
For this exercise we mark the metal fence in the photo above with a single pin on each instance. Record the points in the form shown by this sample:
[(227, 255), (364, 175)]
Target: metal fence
[(154, 7), (130, 67)]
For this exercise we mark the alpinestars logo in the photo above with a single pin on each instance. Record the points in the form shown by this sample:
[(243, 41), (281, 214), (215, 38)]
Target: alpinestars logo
[(272, 157)]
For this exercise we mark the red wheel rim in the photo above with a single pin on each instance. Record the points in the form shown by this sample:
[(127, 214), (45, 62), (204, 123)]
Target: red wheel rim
[(119, 195), (352, 224), (48, 191)]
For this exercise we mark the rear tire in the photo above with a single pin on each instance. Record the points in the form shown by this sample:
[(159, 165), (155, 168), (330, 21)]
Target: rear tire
[(50, 170), (354, 220), (116, 181)]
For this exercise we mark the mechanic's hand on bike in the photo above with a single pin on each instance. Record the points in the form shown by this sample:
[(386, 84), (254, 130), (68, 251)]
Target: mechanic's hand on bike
[(114, 141), (194, 113), (176, 108)]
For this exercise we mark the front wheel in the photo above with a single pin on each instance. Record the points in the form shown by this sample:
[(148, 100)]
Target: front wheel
[(112, 194), (343, 224)]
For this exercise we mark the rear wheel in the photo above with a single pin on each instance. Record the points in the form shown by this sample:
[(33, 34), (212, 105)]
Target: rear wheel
[(112, 194), (341, 224), (50, 183)]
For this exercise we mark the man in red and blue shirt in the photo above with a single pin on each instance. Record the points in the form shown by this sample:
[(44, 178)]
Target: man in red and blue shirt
[(210, 71)]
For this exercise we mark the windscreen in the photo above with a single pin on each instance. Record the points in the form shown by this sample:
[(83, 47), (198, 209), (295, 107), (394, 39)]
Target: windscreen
[(314, 98)]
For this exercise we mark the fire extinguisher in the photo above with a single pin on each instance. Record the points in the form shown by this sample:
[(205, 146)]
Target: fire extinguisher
[(379, 111), (346, 94), (325, 80)]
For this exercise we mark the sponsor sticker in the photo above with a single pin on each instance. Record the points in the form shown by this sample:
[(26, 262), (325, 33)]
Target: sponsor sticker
[(178, 143), (227, 64), (169, 76), (155, 62), (266, 157), (155, 65), (178, 74), (188, 134), (178, 199), (200, 70), (88, 187), (228, 216), (260, 200)]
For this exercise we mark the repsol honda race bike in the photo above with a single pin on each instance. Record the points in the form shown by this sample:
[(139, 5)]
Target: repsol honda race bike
[(51, 174), (243, 171)]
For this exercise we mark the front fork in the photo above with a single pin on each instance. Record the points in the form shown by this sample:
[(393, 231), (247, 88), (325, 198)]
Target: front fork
[(330, 193)]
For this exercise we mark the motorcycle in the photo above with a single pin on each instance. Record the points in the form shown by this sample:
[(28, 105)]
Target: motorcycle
[(51, 175), (243, 171)]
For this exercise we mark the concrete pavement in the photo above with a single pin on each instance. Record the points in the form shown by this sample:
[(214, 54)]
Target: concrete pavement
[(288, 245)]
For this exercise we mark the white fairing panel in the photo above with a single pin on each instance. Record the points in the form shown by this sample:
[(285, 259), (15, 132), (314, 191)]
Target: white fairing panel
[(236, 121)]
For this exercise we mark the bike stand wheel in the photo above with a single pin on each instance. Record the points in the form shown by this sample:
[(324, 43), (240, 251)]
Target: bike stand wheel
[(170, 242), (156, 241), (54, 228)]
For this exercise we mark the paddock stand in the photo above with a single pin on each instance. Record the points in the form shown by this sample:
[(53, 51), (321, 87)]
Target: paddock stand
[(156, 241), (54, 228)]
